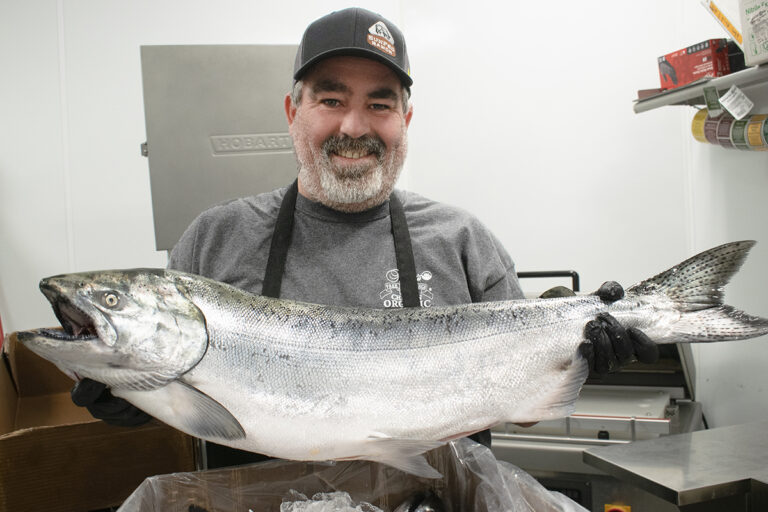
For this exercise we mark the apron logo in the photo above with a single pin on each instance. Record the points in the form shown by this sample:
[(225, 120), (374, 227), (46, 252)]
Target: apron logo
[(391, 296), (380, 38)]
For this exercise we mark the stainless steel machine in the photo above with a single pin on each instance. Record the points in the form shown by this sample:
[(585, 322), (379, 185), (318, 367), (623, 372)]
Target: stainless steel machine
[(639, 402), (216, 127), (216, 130)]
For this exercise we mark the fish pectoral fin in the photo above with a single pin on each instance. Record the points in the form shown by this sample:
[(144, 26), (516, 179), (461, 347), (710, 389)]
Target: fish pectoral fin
[(206, 417), (404, 454), (188, 409)]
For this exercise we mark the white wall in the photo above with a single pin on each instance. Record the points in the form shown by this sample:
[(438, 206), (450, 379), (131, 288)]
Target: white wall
[(523, 115)]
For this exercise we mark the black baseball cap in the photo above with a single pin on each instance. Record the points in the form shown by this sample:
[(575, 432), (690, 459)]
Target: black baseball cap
[(357, 32)]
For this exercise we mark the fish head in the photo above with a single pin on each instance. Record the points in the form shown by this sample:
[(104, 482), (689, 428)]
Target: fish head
[(134, 329)]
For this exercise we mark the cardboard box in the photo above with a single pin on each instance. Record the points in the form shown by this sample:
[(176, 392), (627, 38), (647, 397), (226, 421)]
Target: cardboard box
[(726, 12), (55, 457), (472, 480), (754, 22), (707, 59)]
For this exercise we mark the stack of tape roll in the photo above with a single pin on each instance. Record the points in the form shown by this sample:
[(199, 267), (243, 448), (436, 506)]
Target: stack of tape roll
[(697, 125), (750, 133)]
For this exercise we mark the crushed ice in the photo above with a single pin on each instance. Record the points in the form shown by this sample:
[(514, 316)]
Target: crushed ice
[(324, 502)]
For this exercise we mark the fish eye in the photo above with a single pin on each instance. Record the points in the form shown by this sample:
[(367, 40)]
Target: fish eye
[(110, 300)]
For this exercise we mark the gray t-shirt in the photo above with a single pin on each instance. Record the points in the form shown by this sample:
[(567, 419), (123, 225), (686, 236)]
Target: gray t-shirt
[(349, 259)]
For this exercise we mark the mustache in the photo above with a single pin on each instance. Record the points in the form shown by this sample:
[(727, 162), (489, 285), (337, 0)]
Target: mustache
[(365, 144)]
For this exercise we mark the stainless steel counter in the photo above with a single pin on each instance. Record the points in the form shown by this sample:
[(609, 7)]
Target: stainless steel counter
[(727, 464)]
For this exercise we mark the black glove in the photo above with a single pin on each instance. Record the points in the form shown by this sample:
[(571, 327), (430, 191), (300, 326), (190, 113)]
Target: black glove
[(611, 346), (99, 401), (557, 291)]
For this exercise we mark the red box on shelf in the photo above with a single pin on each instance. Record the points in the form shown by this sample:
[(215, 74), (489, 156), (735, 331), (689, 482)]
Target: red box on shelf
[(706, 59)]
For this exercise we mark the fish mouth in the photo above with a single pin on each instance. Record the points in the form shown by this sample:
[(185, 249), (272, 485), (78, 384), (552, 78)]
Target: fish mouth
[(76, 323), (77, 330)]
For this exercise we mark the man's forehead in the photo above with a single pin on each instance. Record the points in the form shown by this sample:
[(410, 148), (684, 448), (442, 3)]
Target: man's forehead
[(352, 74), (333, 85)]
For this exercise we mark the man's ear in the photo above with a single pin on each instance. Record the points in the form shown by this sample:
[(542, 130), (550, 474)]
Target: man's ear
[(409, 115), (290, 109)]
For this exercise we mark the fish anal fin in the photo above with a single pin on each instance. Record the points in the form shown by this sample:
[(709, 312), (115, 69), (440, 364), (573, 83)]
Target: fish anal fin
[(559, 401), (193, 411), (464, 434), (404, 454), (416, 465)]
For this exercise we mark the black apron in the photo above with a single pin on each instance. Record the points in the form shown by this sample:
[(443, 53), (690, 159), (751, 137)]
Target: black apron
[(218, 455), (281, 240)]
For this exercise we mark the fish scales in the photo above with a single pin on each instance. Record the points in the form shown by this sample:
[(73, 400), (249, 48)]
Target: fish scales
[(312, 382), (374, 361)]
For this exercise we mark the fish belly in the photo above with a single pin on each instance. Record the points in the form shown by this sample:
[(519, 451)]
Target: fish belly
[(302, 404)]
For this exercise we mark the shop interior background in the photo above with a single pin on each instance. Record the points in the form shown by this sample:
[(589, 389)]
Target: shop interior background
[(523, 116)]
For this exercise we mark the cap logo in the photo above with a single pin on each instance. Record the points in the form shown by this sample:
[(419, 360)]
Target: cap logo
[(379, 37)]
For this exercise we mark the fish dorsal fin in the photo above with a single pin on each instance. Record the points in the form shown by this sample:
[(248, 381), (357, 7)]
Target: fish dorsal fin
[(191, 410), (698, 282), (404, 454)]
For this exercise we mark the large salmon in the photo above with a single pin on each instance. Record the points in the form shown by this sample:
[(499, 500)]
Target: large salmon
[(310, 382)]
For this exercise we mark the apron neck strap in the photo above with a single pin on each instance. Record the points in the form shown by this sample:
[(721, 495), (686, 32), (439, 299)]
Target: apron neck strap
[(281, 241), (406, 268)]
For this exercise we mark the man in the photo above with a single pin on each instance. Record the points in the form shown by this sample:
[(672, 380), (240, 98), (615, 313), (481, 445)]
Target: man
[(340, 235)]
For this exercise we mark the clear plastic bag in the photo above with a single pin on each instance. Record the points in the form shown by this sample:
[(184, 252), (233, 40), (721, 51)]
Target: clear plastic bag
[(473, 480)]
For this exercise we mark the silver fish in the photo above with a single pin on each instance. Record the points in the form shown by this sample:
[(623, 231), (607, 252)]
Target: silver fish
[(309, 382)]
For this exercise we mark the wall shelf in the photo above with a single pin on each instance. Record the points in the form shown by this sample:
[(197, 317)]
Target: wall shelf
[(693, 94)]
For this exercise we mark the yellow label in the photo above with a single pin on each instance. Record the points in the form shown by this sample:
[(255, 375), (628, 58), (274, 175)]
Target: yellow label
[(725, 21), (755, 131), (617, 508), (697, 125)]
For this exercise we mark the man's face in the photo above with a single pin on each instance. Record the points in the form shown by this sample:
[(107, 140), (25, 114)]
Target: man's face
[(349, 133)]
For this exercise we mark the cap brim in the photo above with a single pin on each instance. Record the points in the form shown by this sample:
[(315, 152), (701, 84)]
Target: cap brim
[(355, 52)]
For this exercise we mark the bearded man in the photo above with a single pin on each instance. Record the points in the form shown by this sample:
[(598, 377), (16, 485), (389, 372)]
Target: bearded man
[(341, 234)]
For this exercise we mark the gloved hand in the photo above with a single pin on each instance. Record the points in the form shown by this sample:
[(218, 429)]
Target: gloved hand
[(99, 401), (610, 346)]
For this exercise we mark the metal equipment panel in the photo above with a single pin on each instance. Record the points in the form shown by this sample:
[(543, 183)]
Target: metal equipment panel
[(216, 127)]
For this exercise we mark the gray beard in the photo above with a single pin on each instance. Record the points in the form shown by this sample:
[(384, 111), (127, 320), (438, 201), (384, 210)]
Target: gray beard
[(351, 189), (353, 186)]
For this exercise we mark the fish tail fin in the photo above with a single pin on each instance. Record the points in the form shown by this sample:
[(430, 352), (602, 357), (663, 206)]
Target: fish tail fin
[(697, 287)]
